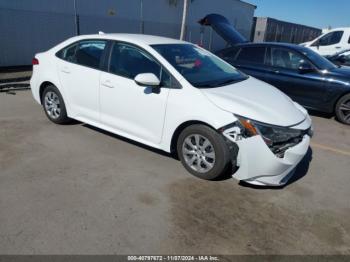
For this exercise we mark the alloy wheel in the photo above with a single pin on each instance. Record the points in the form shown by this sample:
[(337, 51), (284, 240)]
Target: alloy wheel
[(52, 105), (199, 153), (345, 110)]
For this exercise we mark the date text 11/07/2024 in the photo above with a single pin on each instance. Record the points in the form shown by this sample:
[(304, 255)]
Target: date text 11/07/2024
[(173, 258)]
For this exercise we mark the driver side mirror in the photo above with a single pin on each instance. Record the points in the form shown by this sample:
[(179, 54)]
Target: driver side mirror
[(305, 68), (147, 79)]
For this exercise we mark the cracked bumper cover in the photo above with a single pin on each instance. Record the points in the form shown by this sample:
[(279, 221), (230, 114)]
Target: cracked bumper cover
[(258, 165)]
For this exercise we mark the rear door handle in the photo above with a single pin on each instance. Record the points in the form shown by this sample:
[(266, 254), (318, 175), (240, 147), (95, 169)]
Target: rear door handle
[(65, 70), (276, 72), (338, 47), (108, 83)]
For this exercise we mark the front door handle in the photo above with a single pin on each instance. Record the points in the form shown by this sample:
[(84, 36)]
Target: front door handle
[(276, 72), (108, 83), (338, 47)]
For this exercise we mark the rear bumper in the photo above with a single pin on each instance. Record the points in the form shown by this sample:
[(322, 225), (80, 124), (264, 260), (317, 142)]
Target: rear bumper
[(34, 88)]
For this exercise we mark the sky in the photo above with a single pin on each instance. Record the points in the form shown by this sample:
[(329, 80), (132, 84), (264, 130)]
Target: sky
[(316, 13)]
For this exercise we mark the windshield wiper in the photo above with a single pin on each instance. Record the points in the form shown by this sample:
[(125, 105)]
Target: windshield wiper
[(222, 83), (231, 81), (206, 85)]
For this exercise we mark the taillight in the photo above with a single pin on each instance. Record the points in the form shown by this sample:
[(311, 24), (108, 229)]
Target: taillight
[(35, 61)]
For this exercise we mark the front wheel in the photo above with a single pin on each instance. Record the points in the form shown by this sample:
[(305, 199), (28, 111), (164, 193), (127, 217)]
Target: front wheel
[(342, 109), (203, 152)]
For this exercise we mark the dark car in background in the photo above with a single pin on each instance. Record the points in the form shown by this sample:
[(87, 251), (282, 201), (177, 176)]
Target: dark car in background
[(341, 59), (305, 76)]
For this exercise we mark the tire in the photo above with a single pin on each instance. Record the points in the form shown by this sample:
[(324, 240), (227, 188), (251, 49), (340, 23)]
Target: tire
[(54, 106), (211, 166), (342, 109)]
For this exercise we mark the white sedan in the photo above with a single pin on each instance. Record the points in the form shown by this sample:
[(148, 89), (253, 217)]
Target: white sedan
[(177, 97)]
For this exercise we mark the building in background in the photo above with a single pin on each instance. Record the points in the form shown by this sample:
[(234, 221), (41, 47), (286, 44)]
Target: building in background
[(266, 29), (31, 26)]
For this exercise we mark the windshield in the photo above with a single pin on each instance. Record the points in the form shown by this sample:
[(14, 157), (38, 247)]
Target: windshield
[(200, 67), (319, 61)]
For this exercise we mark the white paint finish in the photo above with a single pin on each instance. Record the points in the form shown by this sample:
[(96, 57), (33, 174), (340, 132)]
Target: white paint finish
[(328, 50), (131, 108), (190, 104), (256, 100), (267, 168), (147, 79), (82, 89), (121, 106)]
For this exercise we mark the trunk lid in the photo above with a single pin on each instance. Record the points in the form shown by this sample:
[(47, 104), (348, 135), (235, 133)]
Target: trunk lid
[(224, 28)]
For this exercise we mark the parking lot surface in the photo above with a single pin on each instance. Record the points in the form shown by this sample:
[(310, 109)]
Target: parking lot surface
[(78, 190)]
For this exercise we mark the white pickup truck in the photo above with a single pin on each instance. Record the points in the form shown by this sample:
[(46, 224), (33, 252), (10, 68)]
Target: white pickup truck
[(334, 41)]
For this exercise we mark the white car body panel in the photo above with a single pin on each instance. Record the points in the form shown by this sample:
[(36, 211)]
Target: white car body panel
[(119, 105), (332, 49), (255, 99), (267, 169), (131, 108), (76, 78)]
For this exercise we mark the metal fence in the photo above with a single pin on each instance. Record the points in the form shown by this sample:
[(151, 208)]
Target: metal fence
[(25, 33)]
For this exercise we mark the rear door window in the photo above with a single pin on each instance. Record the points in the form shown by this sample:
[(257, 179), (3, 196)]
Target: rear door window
[(252, 55), (229, 54), (86, 53)]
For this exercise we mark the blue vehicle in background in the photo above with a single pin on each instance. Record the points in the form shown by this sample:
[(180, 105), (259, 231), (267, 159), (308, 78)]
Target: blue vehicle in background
[(302, 74)]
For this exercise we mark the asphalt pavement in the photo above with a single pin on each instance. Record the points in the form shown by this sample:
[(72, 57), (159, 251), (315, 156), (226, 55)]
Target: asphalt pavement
[(79, 190)]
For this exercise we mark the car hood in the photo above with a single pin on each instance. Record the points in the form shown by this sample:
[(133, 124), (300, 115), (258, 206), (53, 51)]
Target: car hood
[(256, 100), (224, 28), (343, 72)]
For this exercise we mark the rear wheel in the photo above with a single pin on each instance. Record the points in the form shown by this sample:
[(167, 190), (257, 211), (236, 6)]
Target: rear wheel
[(54, 106), (203, 152), (342, 109)]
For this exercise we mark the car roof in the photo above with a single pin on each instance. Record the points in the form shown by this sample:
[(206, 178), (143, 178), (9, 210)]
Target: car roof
[(337, 29), (133, 38), (269, 44)]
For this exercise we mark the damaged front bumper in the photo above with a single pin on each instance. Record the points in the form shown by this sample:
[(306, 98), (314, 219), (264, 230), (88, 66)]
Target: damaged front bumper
[(259, 165)]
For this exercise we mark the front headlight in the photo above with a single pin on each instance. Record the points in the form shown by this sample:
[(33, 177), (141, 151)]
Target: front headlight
[(271, 134), (277, 138)]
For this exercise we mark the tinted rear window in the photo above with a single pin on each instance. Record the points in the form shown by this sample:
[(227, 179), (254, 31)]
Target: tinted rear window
[(253, 55), (228, 54), (87, 53)]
